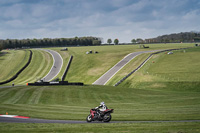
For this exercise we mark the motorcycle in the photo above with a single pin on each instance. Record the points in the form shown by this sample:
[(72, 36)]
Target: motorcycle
[(96, 115)]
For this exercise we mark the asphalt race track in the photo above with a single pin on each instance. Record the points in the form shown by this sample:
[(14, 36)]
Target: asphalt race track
[(110, 73), (21, 120), (57, 65)]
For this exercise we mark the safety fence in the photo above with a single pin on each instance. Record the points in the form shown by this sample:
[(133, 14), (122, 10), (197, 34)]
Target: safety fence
[(67, 68)]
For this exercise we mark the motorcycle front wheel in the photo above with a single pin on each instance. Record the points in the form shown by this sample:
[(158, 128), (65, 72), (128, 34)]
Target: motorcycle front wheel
[(89, 118), (107, 118)]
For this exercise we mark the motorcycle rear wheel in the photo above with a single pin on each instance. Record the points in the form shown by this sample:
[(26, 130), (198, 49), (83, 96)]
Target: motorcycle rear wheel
[(107, 118), (89, 118)]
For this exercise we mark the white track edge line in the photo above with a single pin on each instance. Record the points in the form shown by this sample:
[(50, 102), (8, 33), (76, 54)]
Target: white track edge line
[(53, 63)]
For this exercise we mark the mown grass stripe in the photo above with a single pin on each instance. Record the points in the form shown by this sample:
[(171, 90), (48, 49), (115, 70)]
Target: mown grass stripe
[(5, 91), (35, 97), (39, 67), (9, 63), (20, 71), (8, 94), (38, 70), (36, 63), (18, 95), (47, 63), (41, 109), (25, 97)]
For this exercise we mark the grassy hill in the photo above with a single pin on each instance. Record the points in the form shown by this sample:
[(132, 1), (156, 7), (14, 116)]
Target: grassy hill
[(182, 66), (141, 91), (11, 61), (40, 65), (87, 68), (71, 102)]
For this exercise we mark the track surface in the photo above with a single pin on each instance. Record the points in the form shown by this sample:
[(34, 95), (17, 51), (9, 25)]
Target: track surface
[(57, 65), (110, 73), (20, 120)]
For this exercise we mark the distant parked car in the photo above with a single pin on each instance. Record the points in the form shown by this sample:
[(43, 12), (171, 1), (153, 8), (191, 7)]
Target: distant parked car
[(65, 49), (170, 53)]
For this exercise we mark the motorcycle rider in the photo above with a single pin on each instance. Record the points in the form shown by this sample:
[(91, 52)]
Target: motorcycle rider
[(102, 107)]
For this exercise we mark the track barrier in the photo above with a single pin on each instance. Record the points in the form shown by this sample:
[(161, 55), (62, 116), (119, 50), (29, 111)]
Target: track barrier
[(67, 68), (54, 83)]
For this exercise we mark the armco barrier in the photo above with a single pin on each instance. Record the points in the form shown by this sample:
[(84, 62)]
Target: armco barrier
[(67, 68), (124, 78), (17, 74), (54, 83)]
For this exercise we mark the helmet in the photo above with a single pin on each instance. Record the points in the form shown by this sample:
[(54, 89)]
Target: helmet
[(102, 103)]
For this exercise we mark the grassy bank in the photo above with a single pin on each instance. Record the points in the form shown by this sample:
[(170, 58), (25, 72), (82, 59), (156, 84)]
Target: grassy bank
[(40, 65), (181, 66), (87, 68), (11, 61), (74, 102), (102, 128)]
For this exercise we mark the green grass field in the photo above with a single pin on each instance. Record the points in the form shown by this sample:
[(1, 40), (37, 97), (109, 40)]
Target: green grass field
[(182, 66), (167, 89), (100, 128), (88, 68), (11, 61), (74, 102), (40, 65)]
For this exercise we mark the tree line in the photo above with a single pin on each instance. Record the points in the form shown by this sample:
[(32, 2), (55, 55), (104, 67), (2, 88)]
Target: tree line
[(48, 42), (172, 38)]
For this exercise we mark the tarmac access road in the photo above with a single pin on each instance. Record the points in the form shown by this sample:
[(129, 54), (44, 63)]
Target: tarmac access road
[(31, 120), (110, 73), (57, 65)]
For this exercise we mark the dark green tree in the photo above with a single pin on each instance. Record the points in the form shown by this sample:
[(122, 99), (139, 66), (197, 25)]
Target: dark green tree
[(116, 41), (109, 41), (133, 41)]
